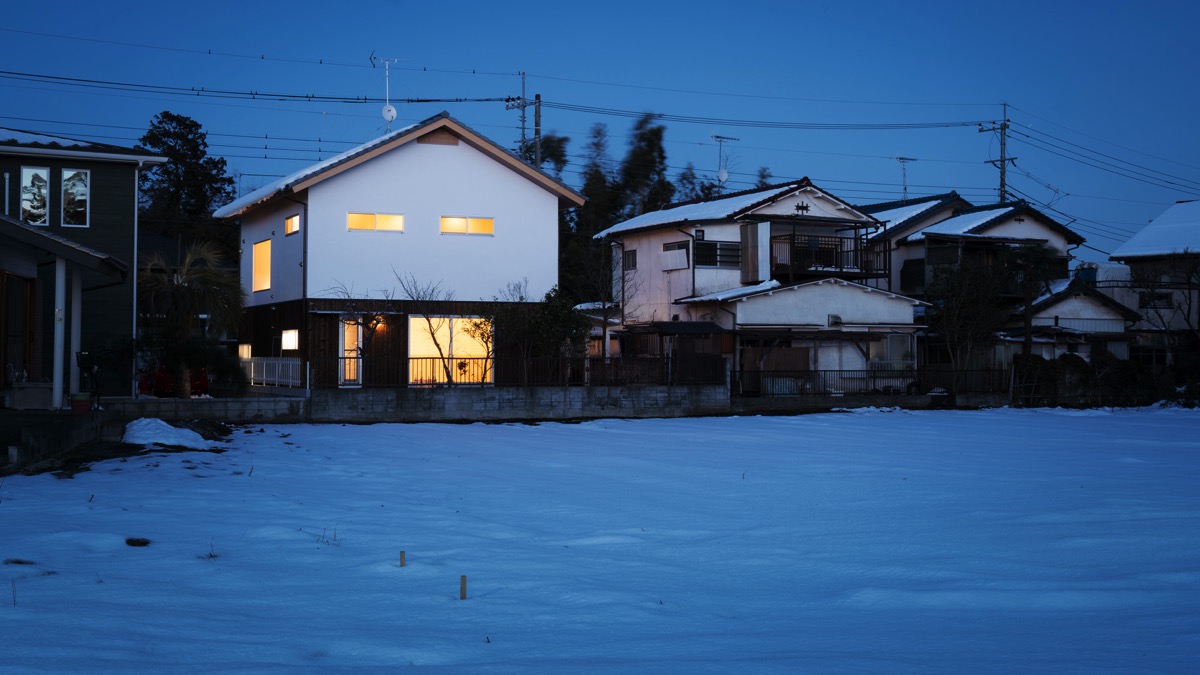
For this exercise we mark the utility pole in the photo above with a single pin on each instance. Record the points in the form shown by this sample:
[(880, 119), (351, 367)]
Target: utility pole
[(1001, 163), (524, 103)]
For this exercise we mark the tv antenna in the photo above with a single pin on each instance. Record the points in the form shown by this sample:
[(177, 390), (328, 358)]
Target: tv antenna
[(389, 110), (904, 171), (722, 171)]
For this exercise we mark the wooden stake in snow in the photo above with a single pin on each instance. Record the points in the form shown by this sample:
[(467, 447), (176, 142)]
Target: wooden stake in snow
[(402, 558), (462, 587)]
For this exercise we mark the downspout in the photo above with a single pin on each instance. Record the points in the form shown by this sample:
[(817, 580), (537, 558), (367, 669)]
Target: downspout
[(133, 379), (6, 194)]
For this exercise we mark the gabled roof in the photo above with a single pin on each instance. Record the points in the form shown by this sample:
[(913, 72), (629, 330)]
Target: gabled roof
[(20, 142), (980, 219), (309, 176), (1174, 232), (901, 214), (1064, 289), (74, 252), (724, 208)]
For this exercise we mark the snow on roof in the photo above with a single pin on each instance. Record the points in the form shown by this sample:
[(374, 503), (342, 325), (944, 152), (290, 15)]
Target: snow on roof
[(898, 216), (267, 191), (1176, 230), (962, 224), (735, 293), (715, 209)]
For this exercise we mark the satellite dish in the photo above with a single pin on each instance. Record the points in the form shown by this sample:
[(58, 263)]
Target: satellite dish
[(389, 113), (722, 176)]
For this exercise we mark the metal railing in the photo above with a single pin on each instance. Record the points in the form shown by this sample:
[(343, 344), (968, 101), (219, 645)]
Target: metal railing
[(273, 371), (859, 382)]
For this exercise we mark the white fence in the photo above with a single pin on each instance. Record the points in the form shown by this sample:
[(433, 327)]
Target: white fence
[(273, 371)]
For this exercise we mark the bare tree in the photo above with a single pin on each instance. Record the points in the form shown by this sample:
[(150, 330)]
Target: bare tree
[(367, 312), (425, 298), (1169, 297)]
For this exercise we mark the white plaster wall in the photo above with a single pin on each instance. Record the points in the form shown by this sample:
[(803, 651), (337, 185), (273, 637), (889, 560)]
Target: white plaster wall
[(813, 303), (1080, 307), (425, 182), (287, 252), (1030, 229)]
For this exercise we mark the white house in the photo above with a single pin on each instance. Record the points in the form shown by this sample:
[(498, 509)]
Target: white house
[(437, 204), (770, 278), (902, 218), (1164, 276)]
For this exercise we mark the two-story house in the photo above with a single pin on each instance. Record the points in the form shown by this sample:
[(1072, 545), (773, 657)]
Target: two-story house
[(1163, 261), (360, 268), (774, 279), (72, 290)]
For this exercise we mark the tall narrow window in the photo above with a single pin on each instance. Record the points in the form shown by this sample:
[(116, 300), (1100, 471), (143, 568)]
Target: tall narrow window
[(35, 195), (462, 225), (75, 197), (350, 373), (261, 267), (292, 224), (630, 260)]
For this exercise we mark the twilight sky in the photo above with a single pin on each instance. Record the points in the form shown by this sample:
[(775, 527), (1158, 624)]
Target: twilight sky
[(1101, 94)]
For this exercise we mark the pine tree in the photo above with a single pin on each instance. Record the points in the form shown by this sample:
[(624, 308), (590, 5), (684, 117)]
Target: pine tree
[(643, 178)]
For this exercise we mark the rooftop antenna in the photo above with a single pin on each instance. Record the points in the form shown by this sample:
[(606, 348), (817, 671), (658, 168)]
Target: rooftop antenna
[(904, 171), (389, 111), (722, 171)]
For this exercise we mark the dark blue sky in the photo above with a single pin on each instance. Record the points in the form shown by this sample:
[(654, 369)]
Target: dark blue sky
[(1102, 94)]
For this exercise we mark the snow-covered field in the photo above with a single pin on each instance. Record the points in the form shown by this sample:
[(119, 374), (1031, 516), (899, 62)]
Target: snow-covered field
[(872, 541)]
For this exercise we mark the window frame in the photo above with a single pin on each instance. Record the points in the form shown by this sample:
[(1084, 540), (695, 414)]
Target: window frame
[(722, 254), (31, 171), (87, 198), (676, 246), (260, 268), (291, 225), (374, 216), (469, 224), (629, 260)]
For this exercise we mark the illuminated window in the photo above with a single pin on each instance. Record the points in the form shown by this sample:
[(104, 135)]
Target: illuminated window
[(244, 351), (261, 267), (460, 225), (349, 373), (445, 349), (35, 195), (292, 224), (289, 340), (75, 197), (389, 222)]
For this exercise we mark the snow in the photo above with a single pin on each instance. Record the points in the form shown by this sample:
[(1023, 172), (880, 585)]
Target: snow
[(1175, 231), (881, 541), (716, 209), (735, 293), (148, 431), (898, 216), (961, 224)]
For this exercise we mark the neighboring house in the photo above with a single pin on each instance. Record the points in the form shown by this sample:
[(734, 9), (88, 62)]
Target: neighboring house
[(1164, 277), (902, 218), (436, 204), (1071, 317), (770, 278), (978, 232), (84, 197)]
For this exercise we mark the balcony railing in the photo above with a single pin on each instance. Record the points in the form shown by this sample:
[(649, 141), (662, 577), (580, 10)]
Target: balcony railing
[(1086, 325), (273, 371), (795, 255)]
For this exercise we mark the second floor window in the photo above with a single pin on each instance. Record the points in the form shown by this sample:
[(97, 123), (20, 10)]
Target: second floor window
[(75, 197), (630, 260), (389, 222), (723, 254), (463, 225), (35, 195), (260, 272), (292, 224), (675, 255)]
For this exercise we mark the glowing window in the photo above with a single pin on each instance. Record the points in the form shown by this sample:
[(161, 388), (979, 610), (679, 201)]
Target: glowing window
[(261, 267), (459, 225), (389, 222), (349, 372), (292, 224), (289, 340), (244, 351), (445, 349), (360, 221)]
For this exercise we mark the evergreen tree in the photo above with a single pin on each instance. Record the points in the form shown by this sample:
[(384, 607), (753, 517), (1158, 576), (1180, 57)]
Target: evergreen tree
[(553, 152), (764, 177), (692, 187), (643, 178), (178, 197)]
